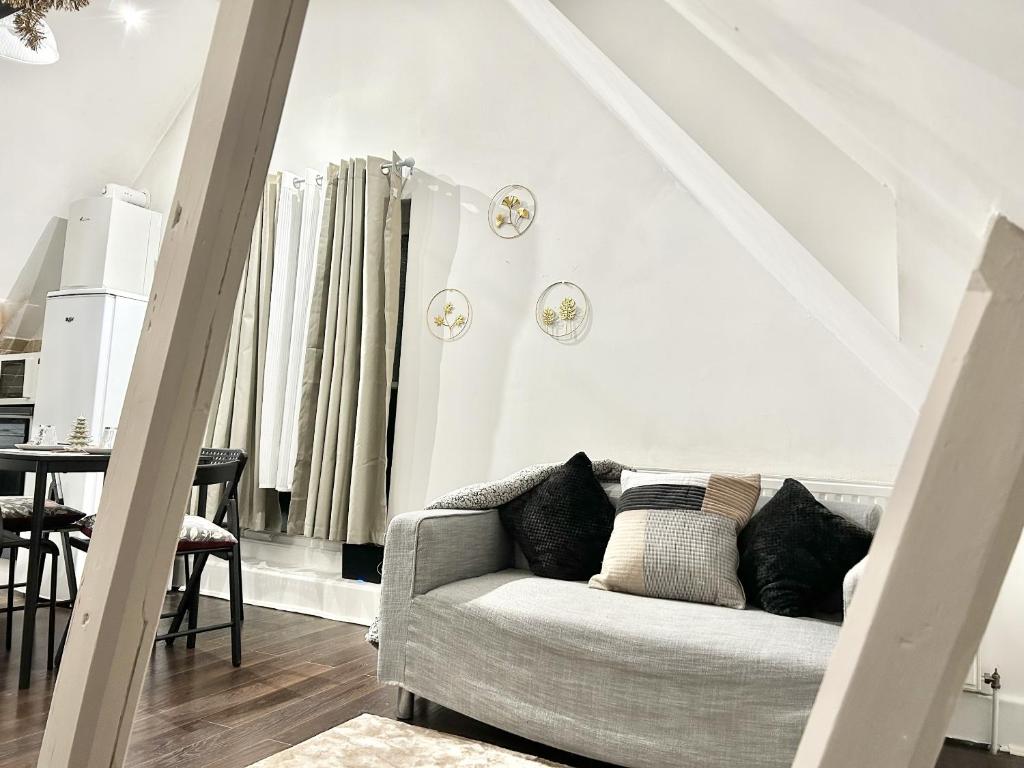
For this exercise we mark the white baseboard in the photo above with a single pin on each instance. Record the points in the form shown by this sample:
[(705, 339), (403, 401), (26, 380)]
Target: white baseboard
[(287, 573), (292, 573), (972, 721)]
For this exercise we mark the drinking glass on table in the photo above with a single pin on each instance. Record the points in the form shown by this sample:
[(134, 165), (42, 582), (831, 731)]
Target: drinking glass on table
[(107, 440), (45, 435)]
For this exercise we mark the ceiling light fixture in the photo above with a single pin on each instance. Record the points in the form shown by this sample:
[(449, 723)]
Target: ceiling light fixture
[(25, 37), (132, 16)]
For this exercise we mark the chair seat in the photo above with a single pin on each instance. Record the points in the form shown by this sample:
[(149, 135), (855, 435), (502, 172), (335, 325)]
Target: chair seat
[(16, 512), (197, 534)]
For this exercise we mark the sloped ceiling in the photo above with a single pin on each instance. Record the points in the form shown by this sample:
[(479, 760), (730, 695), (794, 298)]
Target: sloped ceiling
[(924, 98), (748, 194), (93, 117), (927, 96)]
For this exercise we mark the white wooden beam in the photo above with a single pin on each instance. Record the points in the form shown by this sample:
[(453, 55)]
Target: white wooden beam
[(945, 542), (771, 244), (165, 412)]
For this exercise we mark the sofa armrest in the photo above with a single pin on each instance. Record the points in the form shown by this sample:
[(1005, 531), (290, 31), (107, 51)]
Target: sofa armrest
[(850, 582), (423, 551)]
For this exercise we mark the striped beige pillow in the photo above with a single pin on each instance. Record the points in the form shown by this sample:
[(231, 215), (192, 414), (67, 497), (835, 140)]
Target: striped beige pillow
[(675, 536)]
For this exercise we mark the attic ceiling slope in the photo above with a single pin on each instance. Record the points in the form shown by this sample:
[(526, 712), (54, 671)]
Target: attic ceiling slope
[(789, 262), (925, 96), (843, 215)]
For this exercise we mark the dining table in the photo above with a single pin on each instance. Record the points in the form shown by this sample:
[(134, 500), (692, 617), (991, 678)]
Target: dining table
[(42, 463)]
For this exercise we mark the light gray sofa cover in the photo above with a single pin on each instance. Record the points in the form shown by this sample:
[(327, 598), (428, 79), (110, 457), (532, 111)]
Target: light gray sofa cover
[(636, 681)]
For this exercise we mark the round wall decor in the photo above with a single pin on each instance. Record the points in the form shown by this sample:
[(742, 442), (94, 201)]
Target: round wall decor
[(449, 314), (562, 309), (512, 211)]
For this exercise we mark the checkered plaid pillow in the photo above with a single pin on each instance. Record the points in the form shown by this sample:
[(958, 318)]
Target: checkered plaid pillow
[(675, 536)]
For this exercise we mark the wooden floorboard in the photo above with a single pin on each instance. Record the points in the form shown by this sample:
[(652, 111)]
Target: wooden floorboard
[(300, 676)]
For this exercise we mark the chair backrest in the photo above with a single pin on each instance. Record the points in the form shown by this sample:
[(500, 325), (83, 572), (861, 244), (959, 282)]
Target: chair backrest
[(221, 467)]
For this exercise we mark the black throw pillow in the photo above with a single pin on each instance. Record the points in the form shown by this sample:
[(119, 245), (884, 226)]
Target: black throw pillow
[(794, 553), (564, 523)]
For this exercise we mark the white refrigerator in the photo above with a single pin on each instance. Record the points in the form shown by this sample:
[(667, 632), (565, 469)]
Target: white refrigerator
[(88, 347)]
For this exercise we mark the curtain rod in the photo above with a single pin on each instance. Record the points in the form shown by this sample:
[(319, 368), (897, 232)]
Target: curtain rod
[(299, 182), (399, 163), (386, 168)]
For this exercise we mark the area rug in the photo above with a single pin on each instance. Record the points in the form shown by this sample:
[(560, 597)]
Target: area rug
[(369, 741)]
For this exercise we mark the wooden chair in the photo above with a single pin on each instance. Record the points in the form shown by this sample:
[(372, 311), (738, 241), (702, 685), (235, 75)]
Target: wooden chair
[(200, 539)]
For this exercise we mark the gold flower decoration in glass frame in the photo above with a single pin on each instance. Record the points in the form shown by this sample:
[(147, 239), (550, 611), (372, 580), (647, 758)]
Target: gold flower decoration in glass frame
[(562, 310), (512, 211), (449, 314)]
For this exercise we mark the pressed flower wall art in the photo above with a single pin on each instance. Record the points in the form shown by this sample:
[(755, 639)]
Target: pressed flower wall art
[(512, 211), (449, 314), (562, 310)]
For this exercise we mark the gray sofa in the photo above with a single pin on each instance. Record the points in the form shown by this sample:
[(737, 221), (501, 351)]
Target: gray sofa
[(635, 681)]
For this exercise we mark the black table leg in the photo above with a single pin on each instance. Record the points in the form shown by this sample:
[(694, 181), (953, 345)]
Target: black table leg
[(28, 630)]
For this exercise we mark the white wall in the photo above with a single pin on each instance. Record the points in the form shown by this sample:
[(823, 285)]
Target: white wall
[(695, 356), (159, 176)]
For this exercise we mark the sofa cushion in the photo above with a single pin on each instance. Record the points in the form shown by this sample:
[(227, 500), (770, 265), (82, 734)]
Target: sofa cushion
[(619, 672), (563, 524), (613, 626), (795, 553), (675, 536)]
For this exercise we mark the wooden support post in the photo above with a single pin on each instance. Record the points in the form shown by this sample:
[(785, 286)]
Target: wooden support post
[(165, 412), (945, 542)]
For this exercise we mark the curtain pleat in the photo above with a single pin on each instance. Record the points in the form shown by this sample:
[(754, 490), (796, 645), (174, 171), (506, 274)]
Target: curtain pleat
[(331, 521), (344, 323), (339, 489), (325, 434), (322, 478), (281, 281), (309, 238), (234, 421), (367, 511), (316, 335)]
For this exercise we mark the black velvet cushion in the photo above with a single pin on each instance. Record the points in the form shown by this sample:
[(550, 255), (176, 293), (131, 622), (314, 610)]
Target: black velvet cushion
[(794, 553), (563, 524)]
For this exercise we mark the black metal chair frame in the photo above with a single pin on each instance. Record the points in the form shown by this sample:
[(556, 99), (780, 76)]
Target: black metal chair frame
[(13, 542), (222, 467), (55, 493)]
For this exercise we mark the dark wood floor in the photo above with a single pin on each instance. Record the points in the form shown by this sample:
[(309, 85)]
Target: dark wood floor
[(300, 676)]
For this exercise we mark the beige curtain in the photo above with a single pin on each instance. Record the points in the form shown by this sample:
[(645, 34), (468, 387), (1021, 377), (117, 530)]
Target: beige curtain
[(339, 487), (234, 417)]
